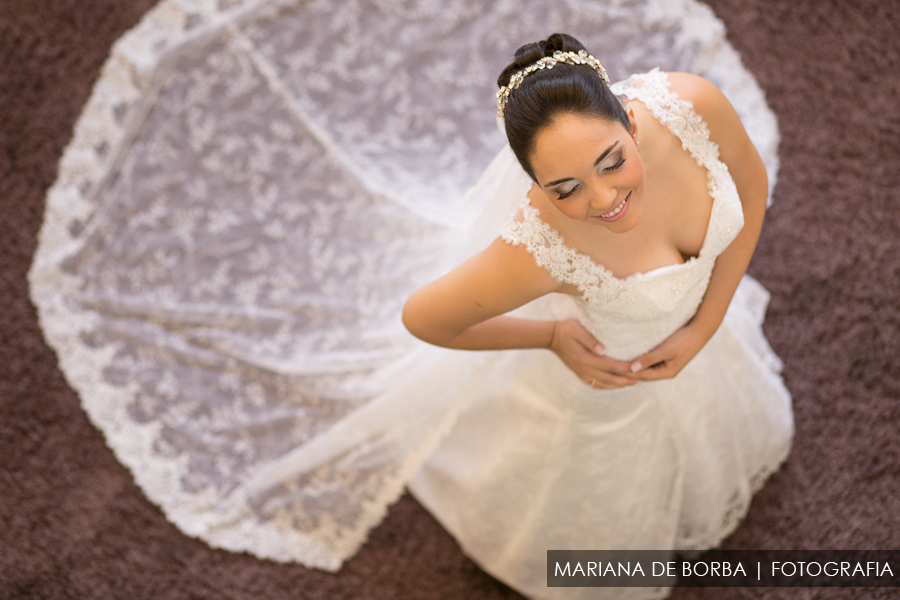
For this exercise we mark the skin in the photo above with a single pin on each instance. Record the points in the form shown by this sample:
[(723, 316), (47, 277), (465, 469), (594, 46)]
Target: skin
[(665, 223)]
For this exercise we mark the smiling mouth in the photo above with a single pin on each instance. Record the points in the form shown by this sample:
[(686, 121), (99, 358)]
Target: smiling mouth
[(615, 211)]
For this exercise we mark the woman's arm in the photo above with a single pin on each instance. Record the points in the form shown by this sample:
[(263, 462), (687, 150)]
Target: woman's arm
[(465, 309), (749, 175)]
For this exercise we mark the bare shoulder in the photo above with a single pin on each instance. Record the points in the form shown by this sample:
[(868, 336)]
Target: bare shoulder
[(736, 149), (500, 278), (512, 266), (710, 104), (507, 268)]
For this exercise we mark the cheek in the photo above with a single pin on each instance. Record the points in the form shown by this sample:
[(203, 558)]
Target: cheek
[(637, 175), (572, 209)]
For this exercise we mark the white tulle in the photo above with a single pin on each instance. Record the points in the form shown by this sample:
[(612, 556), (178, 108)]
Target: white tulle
[(251, 193)]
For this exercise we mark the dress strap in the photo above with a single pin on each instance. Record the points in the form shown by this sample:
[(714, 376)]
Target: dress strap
[(595, 282), (566, 265), (653, 89)]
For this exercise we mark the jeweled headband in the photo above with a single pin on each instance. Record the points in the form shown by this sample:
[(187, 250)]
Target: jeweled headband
[(548, 62)]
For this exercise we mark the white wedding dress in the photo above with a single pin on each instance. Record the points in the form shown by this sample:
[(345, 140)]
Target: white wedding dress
[(253, 190), (540, 461)]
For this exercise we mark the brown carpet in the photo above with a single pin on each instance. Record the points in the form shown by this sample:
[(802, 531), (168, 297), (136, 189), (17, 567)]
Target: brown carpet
[(74, 525)]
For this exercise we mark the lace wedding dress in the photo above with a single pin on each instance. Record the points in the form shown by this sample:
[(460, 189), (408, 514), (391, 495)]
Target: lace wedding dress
[(251, 193), (540, 461)]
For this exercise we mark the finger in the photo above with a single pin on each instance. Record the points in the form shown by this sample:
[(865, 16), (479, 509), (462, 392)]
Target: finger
[(614, 386), (586, 339), (600, 385), (664, 370), (611, 380), (610, 365), (604, 381), (649, 360)]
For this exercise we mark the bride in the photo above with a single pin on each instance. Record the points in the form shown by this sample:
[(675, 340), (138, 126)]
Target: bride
[(642, 208), (252, 194), (633, 209)]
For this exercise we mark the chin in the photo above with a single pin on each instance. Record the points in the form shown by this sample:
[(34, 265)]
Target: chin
[(622, 226)]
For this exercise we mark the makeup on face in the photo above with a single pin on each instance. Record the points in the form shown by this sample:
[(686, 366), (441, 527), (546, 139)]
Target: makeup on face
[(614, 161), (595, 174), (618, 212)]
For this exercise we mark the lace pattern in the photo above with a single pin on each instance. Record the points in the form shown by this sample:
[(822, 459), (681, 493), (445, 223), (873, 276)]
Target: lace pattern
[(248, 197), (678, 114), (597, 283), (567, 265), (631, 315)]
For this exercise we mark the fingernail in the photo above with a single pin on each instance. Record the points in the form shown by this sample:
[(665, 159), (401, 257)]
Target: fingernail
[(635, 367), (599, 349), (638, 382)]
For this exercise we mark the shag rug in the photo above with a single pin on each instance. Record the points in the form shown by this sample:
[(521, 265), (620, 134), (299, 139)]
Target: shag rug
[(74, 525)]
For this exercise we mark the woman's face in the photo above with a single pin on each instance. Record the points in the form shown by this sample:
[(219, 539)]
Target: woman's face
[(591, 171)]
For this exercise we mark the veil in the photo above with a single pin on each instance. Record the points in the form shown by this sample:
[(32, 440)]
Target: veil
[(250, 194)]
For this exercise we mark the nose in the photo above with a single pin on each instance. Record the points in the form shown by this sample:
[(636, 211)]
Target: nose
[(604, 198)]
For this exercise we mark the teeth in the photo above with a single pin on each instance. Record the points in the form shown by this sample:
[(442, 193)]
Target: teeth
[(616, 211)]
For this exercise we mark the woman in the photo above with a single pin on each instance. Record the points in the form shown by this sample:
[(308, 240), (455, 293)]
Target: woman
[(629, 246), (245, 208)]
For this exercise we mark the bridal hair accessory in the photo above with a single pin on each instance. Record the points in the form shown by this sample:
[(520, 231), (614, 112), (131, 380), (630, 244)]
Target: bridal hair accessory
[(548, 62)]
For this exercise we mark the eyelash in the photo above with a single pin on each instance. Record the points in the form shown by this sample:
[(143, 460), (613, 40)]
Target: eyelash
[(612, 168)]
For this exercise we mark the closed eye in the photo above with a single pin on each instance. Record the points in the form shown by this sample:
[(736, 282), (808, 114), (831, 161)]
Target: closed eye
[(615, 166), (569, 193), (621, 161)]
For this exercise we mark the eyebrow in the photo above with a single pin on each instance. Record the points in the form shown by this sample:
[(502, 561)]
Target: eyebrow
[(596, 162)]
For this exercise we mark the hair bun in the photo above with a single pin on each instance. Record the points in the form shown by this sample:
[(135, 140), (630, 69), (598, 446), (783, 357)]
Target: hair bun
[(533, 52), (577, 86)]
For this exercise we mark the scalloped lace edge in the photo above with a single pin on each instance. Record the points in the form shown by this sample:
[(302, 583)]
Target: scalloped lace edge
[(124, 77), (737, 511)]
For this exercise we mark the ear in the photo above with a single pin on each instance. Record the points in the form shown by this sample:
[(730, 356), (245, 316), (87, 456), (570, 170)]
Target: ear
[(629, 111), (633, 120)]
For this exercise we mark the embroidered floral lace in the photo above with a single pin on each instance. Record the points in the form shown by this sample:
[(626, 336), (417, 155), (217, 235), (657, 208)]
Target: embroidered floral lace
[(249, 196)]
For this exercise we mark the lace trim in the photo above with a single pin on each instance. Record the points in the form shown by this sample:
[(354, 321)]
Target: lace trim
[(596, 283), (125, 79), (679, 116), (736, 512), (674, 112)]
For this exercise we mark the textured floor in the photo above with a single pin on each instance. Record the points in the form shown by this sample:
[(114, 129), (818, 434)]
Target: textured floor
[(74, 525)]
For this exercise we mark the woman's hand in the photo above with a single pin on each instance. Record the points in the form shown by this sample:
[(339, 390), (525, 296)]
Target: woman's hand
[(581, 352), (667, 360)]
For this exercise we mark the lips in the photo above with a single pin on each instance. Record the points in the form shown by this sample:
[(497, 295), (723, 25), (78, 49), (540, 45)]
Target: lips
[(622, 208), (616, 210)]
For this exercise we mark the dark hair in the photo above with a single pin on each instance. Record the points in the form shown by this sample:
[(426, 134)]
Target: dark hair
[(544, 95)]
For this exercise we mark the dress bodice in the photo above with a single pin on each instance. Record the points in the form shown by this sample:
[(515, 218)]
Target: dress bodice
[(632, 315)]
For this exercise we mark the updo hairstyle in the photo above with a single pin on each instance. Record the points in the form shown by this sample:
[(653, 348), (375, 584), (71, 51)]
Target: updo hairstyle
[(546, 94)]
